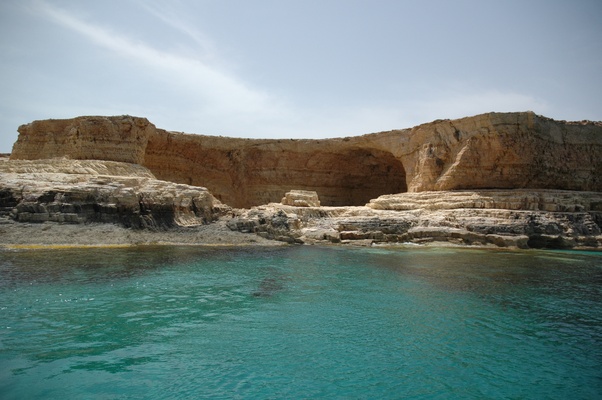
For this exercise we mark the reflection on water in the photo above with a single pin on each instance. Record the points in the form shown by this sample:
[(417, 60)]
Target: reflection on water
[(305, 322)]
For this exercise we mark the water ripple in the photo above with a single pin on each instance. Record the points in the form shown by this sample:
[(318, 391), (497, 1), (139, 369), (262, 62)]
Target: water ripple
[(301, 322)]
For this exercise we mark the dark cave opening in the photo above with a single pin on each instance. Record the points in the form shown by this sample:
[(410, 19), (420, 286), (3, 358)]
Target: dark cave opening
[(362, 175)]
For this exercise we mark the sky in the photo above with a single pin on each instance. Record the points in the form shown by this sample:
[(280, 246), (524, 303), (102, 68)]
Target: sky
[(297, 68)]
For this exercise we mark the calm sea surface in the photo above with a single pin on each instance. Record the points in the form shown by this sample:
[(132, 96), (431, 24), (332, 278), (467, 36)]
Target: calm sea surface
[(300, 322)]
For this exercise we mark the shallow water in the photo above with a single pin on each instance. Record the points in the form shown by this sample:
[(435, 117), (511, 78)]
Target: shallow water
[(300, 322)]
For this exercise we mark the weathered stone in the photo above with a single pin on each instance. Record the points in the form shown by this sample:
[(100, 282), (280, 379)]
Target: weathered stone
[(488, 151), (122, 139), (310, 235), (519, 241), (457, 225), (136, 200), (301, 198), (353, 235), (542, 179), (518, 199)]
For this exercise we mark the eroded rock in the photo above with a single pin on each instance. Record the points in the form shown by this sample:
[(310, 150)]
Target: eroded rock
[(121, 138), (452, 221), (301, 198), (503, 179), (137, 200), (488, 151)]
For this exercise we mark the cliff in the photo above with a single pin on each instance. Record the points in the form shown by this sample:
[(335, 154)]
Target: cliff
[(501, 179), (489, 151), (122, 139)]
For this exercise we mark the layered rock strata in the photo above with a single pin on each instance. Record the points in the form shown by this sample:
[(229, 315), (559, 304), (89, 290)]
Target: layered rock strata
[(452, 218), (122, 138), (517, 199), (70, 191), (512, 179), (489, 151), (246, 172)]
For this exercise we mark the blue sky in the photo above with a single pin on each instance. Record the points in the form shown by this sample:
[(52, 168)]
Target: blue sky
[(292, 69)]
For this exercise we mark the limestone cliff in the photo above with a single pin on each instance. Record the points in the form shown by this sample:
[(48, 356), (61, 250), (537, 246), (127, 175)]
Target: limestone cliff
[(244, 172), (511, 150), (122, 139), (513, 179), (517, 150), (489, 151)]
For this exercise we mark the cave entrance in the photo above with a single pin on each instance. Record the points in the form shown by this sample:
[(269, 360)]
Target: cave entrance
[(357, 176), (244, 174), (349, 177)]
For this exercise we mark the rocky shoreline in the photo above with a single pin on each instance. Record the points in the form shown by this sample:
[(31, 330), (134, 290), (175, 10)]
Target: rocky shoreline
[(17, 235), (62, 202), (272, 226), (499, 227), (85, 182)]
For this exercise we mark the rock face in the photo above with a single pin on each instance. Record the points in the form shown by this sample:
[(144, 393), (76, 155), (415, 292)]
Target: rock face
[(40, 168), (513, 179), (489, 151), (122, 139), (245, 172), (518, 150), (518, 199), (70, 191)]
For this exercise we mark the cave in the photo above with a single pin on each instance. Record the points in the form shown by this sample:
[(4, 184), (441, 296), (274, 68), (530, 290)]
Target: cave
[(346, 177), (251, 173), (361, 175)]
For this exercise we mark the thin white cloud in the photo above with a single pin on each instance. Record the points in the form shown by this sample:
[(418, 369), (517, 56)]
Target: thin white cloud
[(215, 89), (171, 14), (205, 98)]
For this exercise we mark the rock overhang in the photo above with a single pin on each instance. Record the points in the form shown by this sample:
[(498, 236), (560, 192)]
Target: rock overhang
[(494, 150)]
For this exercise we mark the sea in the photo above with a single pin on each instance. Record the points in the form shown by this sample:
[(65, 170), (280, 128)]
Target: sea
[(300, 322)]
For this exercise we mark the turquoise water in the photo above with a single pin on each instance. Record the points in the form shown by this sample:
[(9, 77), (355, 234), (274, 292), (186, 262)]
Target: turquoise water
[(300, 322)]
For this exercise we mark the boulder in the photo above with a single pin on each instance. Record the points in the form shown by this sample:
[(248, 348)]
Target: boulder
[(301, 198)]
